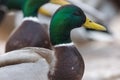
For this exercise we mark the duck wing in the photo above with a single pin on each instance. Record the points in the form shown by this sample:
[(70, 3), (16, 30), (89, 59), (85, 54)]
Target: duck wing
[(25, 64)]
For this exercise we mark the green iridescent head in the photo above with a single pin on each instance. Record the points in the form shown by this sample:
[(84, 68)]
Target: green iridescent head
[(31, 7), (64, 20), (67, 18)]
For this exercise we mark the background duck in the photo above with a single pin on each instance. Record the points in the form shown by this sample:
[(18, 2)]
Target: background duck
[(64, 62), (30, 32), (6, 5), (30, 27)]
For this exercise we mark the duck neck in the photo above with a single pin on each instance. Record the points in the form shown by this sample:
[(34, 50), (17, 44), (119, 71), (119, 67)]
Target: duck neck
[(31, 7)]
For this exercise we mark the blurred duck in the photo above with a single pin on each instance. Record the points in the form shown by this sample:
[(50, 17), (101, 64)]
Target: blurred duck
[(63, 62), (31, 32), (20, 4)]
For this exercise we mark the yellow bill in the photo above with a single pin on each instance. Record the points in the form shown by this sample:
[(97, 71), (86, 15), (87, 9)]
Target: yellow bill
[(92, 25), (44, 11), (60, 2)]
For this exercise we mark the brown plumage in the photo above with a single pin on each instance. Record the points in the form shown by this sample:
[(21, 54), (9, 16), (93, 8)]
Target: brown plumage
[(29, 34), (69, 64)]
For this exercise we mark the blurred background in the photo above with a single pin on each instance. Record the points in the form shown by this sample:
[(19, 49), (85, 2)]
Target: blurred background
[(100, 50)]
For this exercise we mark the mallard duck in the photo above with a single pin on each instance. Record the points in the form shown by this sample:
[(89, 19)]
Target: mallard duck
[(24, 36), (63, 62), (30, 32)]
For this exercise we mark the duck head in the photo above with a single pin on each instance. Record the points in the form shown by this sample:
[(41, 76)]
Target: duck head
[(67, 18)]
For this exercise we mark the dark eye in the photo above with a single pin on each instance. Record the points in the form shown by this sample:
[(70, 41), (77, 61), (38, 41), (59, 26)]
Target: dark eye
[(90, 21), (77, 13)]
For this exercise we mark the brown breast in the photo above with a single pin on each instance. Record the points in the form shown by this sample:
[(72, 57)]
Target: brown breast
[(29, 34), (69, 65)]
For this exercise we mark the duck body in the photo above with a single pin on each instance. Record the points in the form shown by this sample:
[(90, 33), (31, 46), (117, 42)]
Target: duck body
[(35, 63), (24, 64)]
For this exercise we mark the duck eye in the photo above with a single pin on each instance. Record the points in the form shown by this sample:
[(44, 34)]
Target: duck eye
[(77, 13), (90, 21)]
